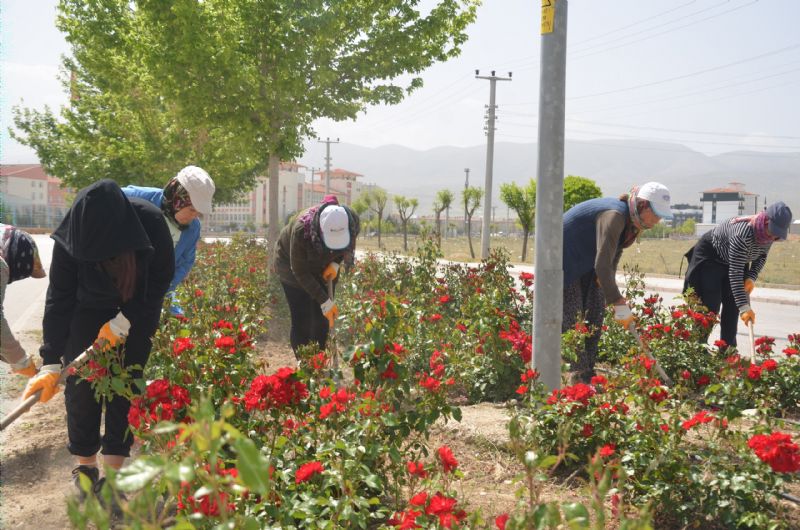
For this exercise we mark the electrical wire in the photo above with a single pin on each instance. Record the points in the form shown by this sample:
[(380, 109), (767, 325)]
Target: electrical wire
[(686, 76)]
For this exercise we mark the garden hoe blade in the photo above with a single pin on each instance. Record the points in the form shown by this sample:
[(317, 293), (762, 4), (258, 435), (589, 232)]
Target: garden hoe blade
[(646, 351), (25, 406)]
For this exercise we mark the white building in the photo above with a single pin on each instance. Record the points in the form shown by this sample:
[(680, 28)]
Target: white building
[(253, 208), (723, 203)]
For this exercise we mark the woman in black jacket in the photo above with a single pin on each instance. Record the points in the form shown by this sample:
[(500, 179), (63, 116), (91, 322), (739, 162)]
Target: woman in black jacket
[(111, 254)]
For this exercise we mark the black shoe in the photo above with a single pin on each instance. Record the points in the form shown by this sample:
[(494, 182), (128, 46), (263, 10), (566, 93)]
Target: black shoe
[(113, 500), (92, 473)]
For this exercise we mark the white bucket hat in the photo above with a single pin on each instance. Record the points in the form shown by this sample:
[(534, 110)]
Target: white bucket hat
[(200, 187), (334, 224), (658, 196)]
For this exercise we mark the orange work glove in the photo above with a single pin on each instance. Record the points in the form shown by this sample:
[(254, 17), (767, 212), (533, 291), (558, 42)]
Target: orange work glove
[(330, 272), (46, 381), (749, 285), (25, 367), (113, 332), (748, 317), (331, 311)]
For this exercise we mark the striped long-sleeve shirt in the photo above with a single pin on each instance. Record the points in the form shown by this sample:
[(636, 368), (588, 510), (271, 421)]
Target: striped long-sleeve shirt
[(736, 245)]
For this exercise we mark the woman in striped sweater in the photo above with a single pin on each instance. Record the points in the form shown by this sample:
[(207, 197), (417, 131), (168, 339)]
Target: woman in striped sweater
[(725, 263)]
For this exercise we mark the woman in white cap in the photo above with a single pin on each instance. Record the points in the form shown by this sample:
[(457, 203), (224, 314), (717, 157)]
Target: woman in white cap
[(595, 234), (308, 254), (725, 263), (185, 197), (19, 259)]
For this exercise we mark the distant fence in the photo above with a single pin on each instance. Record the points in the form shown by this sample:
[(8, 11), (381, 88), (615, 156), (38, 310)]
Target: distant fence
[(32, 216)]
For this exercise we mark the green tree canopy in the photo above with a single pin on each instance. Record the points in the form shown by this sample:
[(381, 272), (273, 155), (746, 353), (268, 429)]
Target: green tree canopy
[(471, 199), (523, 202), (443, 201), (405, 209), (232, 85), (579, 189)]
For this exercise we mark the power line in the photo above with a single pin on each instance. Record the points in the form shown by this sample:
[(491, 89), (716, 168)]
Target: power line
[(686, 131), (600, 48), (685, 76), (653, 35), (713, 87), (648, 148), (657, 15), (657, 139)]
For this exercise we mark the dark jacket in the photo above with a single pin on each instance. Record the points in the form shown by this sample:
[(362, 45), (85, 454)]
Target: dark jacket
[(299, 260), (103, 223)]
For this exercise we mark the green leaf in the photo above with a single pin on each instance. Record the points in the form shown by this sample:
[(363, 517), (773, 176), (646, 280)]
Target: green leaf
[(373, 481), (138, 474), (253, 467), (577, 516)]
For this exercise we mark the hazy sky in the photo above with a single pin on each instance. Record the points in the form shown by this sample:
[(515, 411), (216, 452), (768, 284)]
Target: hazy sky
[(716, 75)]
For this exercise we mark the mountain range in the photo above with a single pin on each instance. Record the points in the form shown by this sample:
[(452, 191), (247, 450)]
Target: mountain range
[(615, 165)]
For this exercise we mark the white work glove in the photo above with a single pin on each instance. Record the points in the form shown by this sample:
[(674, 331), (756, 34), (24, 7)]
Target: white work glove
[(330, 310), (623, 315), (26, 366)]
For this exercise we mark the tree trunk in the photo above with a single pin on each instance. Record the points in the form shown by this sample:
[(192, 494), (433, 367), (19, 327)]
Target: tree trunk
[(469, 236), (405, 237), (379, 232), (274, 187), (524, 244), (439, 228), (446, 222)]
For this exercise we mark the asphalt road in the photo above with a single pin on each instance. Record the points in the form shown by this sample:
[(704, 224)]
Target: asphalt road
[(24, 305)]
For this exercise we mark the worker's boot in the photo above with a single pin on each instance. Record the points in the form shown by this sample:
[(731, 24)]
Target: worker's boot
[(92, 473)]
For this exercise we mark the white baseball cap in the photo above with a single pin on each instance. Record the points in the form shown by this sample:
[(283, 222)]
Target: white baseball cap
[(200, 187), (658, 196), (335, 227)]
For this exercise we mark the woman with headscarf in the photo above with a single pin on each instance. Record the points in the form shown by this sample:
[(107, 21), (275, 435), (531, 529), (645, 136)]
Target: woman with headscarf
[(595, 234), (111, 254), (725, 263), (19, 259), (308, 254), (185, 197)]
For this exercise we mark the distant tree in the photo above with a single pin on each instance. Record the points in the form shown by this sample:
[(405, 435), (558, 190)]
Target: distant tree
[(444, 198), (375, 201), (405, 209), (523, 202), (360, 207), (688, 227), (579, 189), (471, 198)]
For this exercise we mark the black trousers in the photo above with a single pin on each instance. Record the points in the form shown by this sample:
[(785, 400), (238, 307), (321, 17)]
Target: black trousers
[(308, 323), (84, 412), (708, 276)]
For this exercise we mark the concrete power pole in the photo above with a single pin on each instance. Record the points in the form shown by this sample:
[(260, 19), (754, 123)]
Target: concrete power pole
[(548, 270), (466, 185), (487, 198), (328, 142)]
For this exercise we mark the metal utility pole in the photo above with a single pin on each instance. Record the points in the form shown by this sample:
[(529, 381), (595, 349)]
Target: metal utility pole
[(487, 199), (466, 185), (548, 270), (328, 142), (311, 199)]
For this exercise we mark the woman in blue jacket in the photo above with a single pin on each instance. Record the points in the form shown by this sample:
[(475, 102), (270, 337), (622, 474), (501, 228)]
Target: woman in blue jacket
[(185, 197), (595, 234)]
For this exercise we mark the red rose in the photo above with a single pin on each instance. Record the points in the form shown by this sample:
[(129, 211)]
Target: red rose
[(307, 470), (449, 462)]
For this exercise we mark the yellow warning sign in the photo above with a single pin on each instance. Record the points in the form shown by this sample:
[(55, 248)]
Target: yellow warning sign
[(548, 16)]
